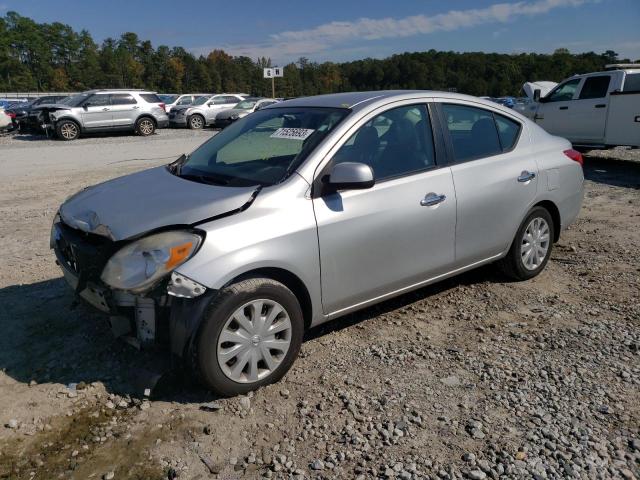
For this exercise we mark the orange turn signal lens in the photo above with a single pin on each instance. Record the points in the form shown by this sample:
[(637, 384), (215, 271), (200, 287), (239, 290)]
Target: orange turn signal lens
[(177, 254)]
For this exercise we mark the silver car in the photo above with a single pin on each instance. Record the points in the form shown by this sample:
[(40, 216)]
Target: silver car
[(139, 111), (241, 110), (310, 209), (203, 110)]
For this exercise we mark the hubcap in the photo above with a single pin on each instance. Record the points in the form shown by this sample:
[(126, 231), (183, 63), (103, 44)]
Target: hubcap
[(146, 127), (196, 122), (535, 243), (254, 341), (69, 130)]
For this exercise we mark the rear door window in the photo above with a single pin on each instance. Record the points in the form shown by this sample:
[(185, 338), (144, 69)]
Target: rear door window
[(595, 87), (472, 131), (122, 99)]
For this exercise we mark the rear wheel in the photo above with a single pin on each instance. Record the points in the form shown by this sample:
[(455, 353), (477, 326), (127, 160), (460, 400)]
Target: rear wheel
[(145, 127), (531, 248), (196, 122), (67, 130), (250, 336)]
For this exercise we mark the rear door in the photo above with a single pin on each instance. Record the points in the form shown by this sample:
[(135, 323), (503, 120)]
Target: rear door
[(125, 109), (554, 111), (494, 174), (397, 233), (96, 112)]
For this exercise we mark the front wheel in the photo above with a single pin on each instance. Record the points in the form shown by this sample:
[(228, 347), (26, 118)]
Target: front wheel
[(250, 336), (145, 127), (531, 248), (196, 122), (67, 130)]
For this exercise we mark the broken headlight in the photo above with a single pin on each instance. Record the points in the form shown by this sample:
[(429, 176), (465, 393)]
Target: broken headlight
[(139, 265)]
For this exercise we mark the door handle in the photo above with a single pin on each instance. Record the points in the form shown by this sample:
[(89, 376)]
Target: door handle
[(563, 108), (526, 176), (136, 107), (432, 199), (601, 105), (105, 109)]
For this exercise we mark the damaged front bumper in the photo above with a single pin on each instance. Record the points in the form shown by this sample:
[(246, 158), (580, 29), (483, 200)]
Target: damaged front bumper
[(165, 316)]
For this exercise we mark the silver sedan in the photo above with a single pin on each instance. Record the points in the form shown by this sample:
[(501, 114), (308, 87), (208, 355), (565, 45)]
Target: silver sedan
[(310, 209)]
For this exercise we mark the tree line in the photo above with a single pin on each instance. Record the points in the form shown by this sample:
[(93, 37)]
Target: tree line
[(54, 57)]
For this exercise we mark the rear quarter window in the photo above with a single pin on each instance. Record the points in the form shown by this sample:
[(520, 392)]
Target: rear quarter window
[(632, 83), (150, 98), (508, 131)]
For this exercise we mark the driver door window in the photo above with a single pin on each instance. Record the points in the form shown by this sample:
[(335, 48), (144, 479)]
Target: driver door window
[(564, 92), (98, 101), (395, 143)]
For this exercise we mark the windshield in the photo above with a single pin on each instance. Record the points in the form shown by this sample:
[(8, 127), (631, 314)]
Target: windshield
[(262, 148), (75, 100), (246, 105), (168, 98), (200, 101)]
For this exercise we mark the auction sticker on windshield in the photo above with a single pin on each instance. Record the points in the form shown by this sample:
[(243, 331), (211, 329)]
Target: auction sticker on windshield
[(293, 133)]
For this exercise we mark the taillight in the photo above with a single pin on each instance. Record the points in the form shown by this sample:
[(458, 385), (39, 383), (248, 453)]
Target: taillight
[(11, 114), (162, 105), (574, 155)]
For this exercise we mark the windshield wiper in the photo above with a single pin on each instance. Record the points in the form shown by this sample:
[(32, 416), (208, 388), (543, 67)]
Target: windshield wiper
[(208, 179)]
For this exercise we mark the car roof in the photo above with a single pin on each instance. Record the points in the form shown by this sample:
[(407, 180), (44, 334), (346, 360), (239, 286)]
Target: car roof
[(118, 90), (360, 100)]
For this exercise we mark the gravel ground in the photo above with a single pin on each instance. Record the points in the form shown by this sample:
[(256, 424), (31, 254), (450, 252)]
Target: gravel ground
[(473, 378)]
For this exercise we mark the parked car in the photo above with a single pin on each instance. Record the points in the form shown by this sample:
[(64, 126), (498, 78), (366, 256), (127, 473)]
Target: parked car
[(22, 110), (310, 209), (203, 111), (241, 110), (172, 101), (594, 110), (5, 120), (140, 111)]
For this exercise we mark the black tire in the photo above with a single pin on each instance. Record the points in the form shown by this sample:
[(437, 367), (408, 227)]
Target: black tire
[(145, 126), (67, 130), (196, 122), (204, 352), (513, 264)]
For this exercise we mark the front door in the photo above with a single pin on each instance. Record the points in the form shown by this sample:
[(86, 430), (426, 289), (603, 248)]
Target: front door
[(555, 109), (96, 112), (396, 234)]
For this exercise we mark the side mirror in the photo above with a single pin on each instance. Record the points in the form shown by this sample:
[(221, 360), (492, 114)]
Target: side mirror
[(86, 105), (351, 176), (536, 95)]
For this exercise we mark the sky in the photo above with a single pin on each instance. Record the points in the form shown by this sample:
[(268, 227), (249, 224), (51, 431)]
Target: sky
[(343, 30)]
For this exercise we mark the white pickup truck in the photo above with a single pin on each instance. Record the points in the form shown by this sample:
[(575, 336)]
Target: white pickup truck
[(600, 109)]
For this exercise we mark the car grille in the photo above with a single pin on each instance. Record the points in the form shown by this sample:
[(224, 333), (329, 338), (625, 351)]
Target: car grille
[(85, 254)]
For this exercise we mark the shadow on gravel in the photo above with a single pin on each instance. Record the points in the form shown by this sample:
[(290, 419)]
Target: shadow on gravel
[(618, 173), (50, 337), (489, 273)]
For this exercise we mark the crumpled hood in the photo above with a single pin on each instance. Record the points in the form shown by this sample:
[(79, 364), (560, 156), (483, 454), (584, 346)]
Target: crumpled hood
[(134, 204)]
